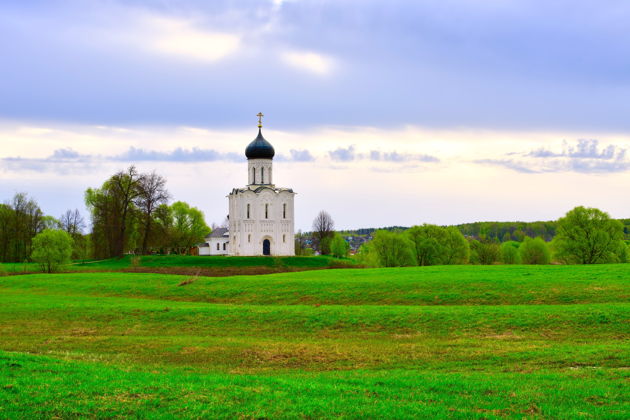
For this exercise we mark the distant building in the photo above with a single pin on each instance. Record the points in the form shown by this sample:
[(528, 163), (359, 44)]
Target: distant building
[(261, 215), (217, 243)]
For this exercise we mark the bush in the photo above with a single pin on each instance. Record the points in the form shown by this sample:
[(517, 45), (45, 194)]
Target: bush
[(485, 253), (510, 253), (52, 248), (339, 247), (535, 251), (589, 236), (434, 245), (392, 249)]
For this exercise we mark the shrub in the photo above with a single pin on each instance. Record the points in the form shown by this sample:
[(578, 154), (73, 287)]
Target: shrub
[(434, 245), (589, 236), (392, 249), (339, 247), (535, 251), (485, 253), (510, 253), (52, 248)]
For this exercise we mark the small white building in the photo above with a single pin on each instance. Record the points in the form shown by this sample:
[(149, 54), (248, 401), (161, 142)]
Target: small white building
[(217, 243)]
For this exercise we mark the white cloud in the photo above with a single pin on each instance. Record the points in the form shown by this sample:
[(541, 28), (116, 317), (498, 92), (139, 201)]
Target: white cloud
[(182, 38), (309, 61)]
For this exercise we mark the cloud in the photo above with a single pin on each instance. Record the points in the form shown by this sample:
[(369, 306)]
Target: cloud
[(400, 157), (181, 38), (178, 155), (309, 61), (296, 156), (343, 154), (586, 156)]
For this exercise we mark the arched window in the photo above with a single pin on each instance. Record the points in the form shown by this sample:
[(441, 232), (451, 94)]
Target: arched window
[(218, 246), (253, 175), (266, 211), (249, 238), (248, 210), (284, 210), (262, 175), (284, 238), (224, 246)]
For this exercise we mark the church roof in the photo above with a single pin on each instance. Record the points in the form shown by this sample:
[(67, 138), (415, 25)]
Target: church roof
[(259, 188), (218, 233), (260, 148)]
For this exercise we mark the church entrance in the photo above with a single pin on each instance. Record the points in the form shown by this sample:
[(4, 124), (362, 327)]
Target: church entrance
[(266, 247)]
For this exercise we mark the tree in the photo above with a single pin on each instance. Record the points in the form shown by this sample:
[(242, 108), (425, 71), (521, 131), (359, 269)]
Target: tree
[(510, 253), (484, 252), (124, 187), (456, 247), (428, 244), (188, 226), (534, 251), (72, 222), (392, 249), (20, 221), (151, 194), (588, 236), (51, 249), (339, 247), (323, 230)]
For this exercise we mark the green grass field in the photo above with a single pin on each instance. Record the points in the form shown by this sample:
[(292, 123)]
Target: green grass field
[(424, 342)]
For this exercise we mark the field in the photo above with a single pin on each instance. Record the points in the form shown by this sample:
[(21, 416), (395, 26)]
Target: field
[(423, 342)]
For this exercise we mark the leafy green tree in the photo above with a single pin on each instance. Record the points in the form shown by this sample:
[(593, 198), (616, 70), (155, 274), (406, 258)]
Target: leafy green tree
[(589, 236), (428, 244), (339, 247), (534, 251), (51, 249), (189, 227), (510, 253), (484, 252), (456, 247), (393, 249)]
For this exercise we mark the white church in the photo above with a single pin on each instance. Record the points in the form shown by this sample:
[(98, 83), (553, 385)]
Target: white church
[(260, 217)]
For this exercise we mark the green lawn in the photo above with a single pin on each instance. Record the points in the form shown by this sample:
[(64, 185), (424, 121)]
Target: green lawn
[(463, 342)]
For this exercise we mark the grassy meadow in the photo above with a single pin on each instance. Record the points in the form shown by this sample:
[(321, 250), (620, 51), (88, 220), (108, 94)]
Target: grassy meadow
[(419, 342)]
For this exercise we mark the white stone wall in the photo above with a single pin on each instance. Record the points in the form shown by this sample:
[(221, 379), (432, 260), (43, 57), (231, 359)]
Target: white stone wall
[(260, 171), (217, 246), (271, 216)]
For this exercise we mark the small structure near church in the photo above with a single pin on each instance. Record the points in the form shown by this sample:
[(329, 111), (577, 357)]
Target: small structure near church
[(261, 218), (217, 243)]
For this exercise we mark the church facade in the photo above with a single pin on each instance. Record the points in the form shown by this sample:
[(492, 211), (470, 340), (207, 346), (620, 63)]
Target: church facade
[(261, 215)]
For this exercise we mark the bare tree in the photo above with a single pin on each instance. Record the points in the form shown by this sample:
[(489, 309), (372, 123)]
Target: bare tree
[(151, 194), (323, 230), (72, 222), (124, 187)]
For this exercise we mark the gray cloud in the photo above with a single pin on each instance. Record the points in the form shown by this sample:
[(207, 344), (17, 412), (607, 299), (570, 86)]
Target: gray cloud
[(178, 155), (586, 156), (400, 157), (296, 156), (343, 155)]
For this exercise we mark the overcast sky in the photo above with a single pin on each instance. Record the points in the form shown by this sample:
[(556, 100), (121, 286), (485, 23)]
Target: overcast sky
[(381, 112)]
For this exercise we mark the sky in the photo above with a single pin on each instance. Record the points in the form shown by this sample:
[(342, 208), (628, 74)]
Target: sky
[(382, 113)]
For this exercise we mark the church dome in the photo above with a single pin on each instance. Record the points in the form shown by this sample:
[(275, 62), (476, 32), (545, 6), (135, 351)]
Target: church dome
[(260, 148)]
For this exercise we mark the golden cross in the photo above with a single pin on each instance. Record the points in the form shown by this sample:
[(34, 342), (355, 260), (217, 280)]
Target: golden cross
[(260, 115)]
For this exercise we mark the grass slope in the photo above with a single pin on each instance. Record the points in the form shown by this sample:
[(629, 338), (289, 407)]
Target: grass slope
[(463, 342)]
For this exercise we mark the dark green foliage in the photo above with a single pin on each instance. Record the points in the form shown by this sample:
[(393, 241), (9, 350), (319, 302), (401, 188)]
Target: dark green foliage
[(20, 221), (510, 253), (392, 249), (51, 249), (534, 251), (484, 252), (436, 245), (589, 236)]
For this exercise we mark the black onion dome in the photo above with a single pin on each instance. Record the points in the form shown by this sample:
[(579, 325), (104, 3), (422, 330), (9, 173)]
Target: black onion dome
[(260, 148)]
